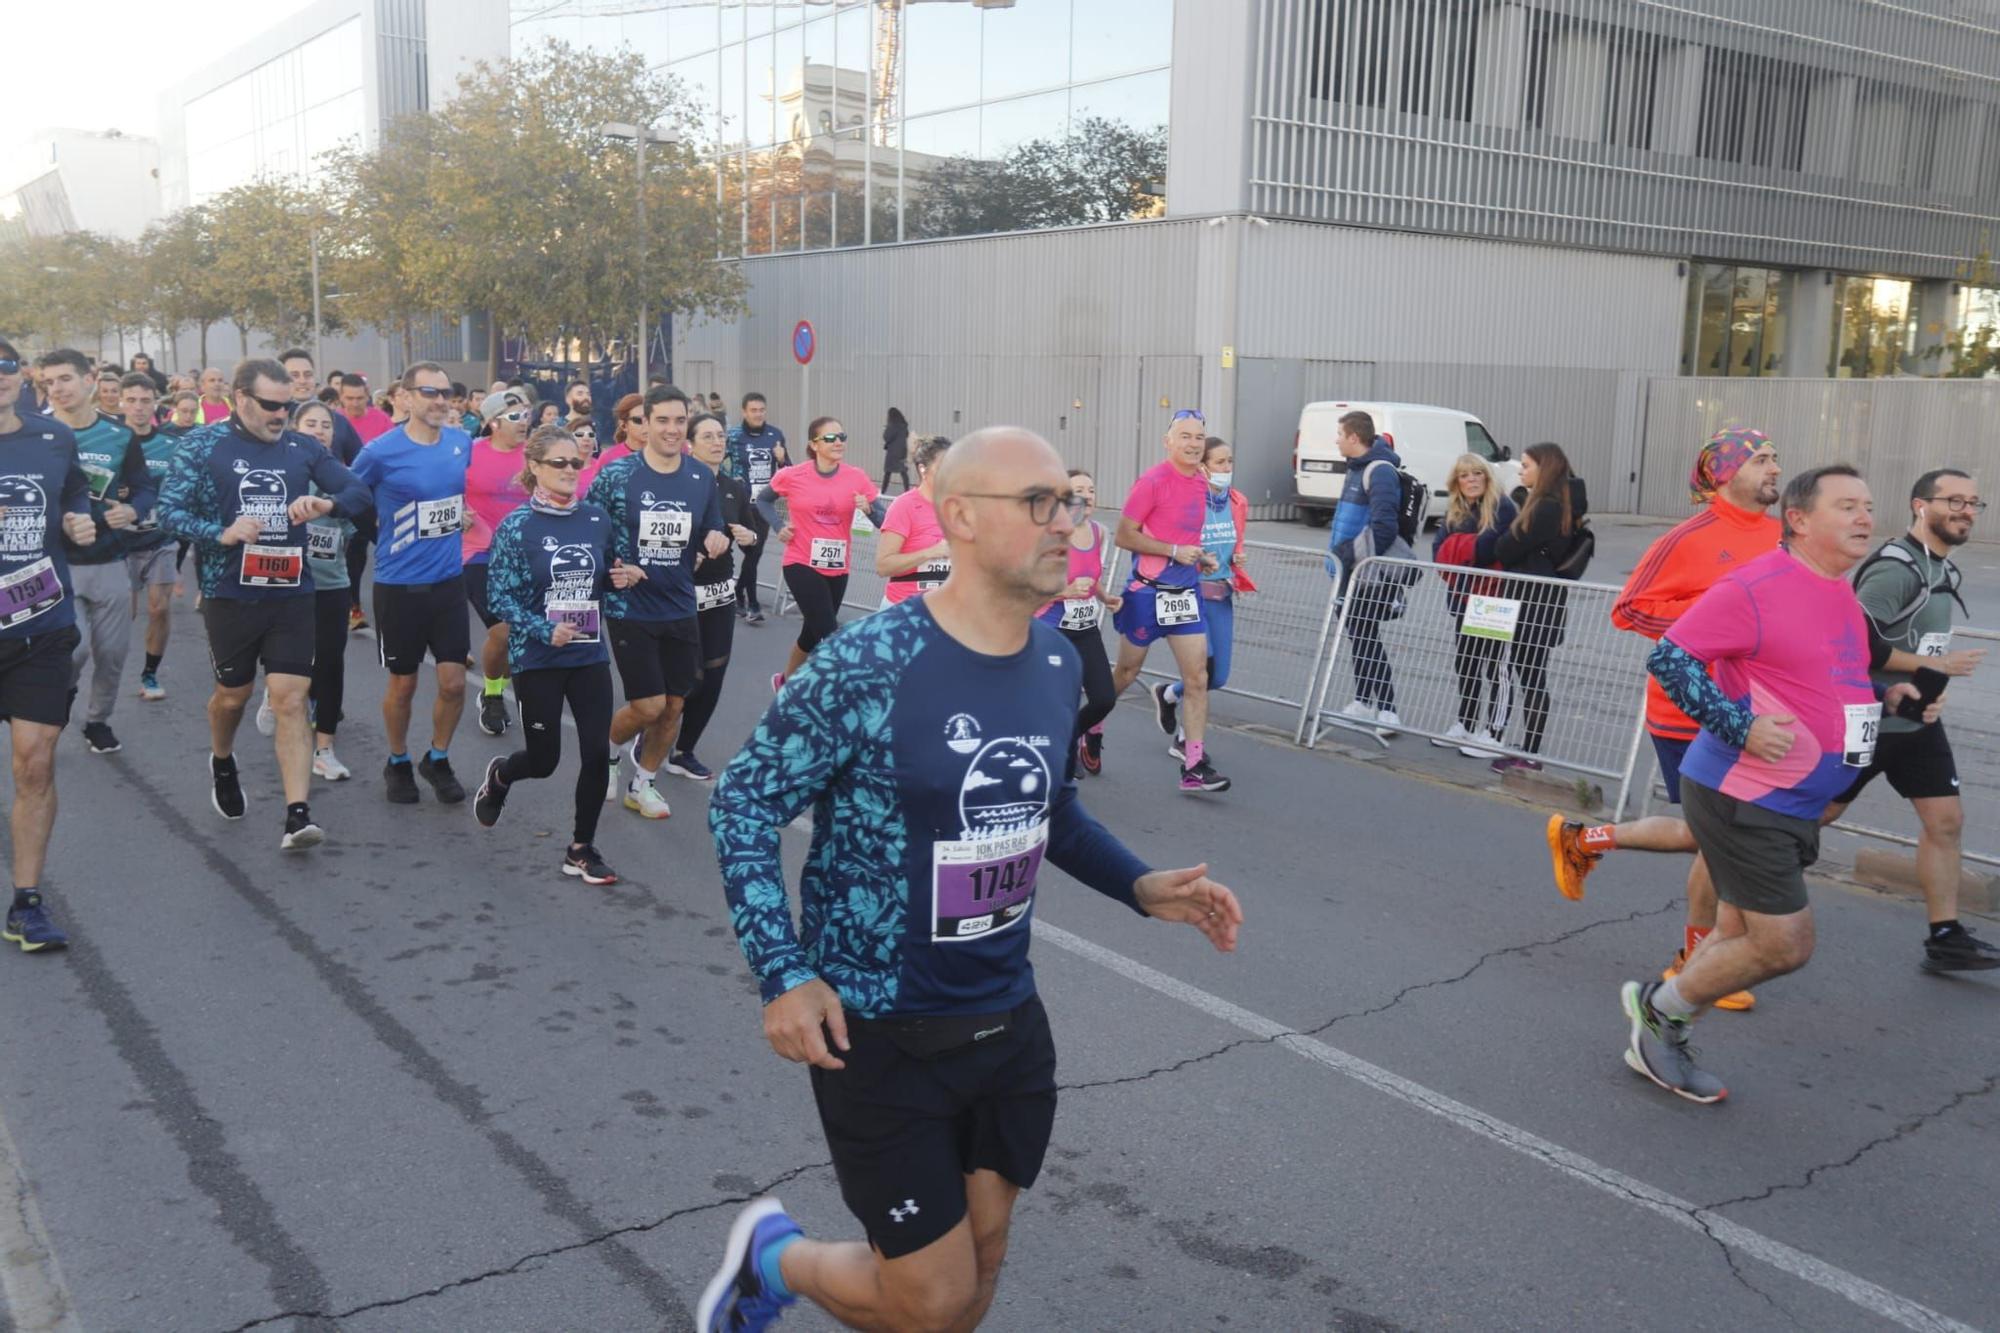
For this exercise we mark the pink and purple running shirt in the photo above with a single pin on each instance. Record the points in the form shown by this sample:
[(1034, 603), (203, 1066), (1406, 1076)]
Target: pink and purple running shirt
[(492, 491), (1169, 506), (1783, 639), (914, 519), (822, 513)]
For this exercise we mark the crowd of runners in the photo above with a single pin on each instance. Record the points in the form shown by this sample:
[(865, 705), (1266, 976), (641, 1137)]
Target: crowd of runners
[(936, 742)]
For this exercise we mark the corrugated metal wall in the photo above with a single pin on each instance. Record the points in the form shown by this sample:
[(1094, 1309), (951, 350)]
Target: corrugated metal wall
[(1894, 430)]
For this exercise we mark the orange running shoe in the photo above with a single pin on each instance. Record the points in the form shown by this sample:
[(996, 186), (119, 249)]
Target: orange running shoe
[(1742, 1002), (1572, 863)]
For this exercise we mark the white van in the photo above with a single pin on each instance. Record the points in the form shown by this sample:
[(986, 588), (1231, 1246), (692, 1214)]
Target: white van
[(1427, 439)]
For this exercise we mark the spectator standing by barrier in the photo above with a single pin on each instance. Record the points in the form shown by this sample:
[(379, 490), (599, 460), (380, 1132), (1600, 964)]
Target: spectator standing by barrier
[(1475, 509), (1222, 528), (896, 449), (1538, 541), (1364, 525), (1079, 614)]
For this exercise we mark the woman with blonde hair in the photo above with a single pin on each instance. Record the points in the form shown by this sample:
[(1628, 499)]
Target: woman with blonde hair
[(1476, 508)]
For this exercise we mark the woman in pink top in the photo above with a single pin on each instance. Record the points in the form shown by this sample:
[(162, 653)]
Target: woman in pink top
[(492, 491), (821, 495), (912, 553), (1079, 614)]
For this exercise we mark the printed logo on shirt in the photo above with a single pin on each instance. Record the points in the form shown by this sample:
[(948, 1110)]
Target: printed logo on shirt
[(1005, 789), (24, 514), (572, 571), (961, 733), (261, 494)]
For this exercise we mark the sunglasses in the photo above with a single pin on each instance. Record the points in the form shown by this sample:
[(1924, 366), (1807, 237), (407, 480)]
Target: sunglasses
[(270, 404), (519, 414), (570, 464), (9, 366), (1189, 414), (431, 391), (841, 438)]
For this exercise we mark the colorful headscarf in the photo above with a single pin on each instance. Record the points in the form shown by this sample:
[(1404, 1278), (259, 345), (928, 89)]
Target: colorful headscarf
[(1722, 458)]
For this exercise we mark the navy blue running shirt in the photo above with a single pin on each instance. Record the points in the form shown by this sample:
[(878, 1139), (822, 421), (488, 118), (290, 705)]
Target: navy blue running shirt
[(40, 481), (936, 779), (659, 521)]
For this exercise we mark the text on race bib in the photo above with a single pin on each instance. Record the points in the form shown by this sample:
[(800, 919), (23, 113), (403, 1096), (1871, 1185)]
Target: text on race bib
[(932, 574), (980, 885), (272, 566), (580, 615), (709, 596), (28, 591), (1863, 724), (828, 553), (322, 542), (440, 518), (1934, 645), (1081, 613), (664, 531), (1176, 608)]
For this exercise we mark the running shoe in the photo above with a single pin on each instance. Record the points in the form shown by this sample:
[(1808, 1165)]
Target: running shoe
[(356, 622), (585, 863), (736, 1299), (1659, 1048), (326, 764), (486, 806), (1737, 1002), (150, 688), (1509, 763), (443, 781), (756, 616), (741, 611), (100, 738), (1093, 741), (28, 925), (1089, 758), (1203, 777), (227, 798), (643, 798), (1165, 711), (1178, 746), (493, 719), (614, 788), (686, 765), (400, 782), (1455, 735), (1572, 863), (1959, 951), (267, 721), (300, 832)]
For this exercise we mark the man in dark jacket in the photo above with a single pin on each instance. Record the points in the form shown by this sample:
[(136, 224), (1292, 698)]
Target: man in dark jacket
[(1364, 524)]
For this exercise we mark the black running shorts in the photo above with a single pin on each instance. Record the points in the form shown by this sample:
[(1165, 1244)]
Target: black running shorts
[(34, 676), (657, 657), (277, 631), (412, 619), (475, 593), (1918, 764), (905, 1131), (1757, 857)]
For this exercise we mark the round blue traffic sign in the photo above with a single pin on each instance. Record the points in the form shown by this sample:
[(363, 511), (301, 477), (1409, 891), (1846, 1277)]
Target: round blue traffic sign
[(803, 342)]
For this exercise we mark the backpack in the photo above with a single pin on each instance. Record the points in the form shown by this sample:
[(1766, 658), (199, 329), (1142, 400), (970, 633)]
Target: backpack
[(1895, 552), (1412, 500), (1582, 545)]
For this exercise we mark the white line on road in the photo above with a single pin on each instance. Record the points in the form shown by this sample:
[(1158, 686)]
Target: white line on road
[(31, 1281), (1877, 1300)]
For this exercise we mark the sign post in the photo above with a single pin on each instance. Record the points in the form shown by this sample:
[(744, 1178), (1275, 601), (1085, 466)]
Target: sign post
[(804, 343)]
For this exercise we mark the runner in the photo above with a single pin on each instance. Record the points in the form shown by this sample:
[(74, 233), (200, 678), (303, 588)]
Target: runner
[(44, 503), (1787, 720), (1161, 525), (242, 492), (149, 556), (493, 491), (757, 450), (664, 508), (714, 597), (122, 495), (550, 569), (326, 556), (912, 553), (1079, 614), (417, 472), (1907, 589), (929, 739), (626, 440), (1735, 477), (1222, 528), (817, 529)]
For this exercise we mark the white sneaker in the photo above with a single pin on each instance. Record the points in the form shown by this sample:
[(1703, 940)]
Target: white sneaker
[(1477, 750), (1391, 724), (644, 798), (1455, 735), (614, 788), (1359, 711), (267, 721), (326, 764)]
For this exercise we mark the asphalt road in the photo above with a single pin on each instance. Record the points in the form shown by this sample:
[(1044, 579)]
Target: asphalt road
[(416, 1080)]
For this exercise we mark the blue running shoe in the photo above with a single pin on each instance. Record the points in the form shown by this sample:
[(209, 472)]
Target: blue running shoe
[(736, 1299), (29, 926)]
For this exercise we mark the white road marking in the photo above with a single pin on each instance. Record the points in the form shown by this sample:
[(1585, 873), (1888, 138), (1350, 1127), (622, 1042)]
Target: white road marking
[(1877, 1300), (31, 1281)]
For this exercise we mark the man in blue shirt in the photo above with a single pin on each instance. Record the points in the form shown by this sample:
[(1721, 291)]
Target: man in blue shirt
[(417, 472), (930, 741), (756, 449)]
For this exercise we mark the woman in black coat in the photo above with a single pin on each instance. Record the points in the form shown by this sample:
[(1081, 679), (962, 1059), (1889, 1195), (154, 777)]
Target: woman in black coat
[(896, 448), (1551, 503)]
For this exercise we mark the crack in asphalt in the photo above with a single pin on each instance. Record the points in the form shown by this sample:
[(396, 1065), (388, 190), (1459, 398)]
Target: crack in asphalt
[(1385, 1006), (522, 1264), (1901, 1131)]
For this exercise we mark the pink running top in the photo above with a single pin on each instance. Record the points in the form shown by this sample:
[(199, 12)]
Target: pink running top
[(492, 491), (822, 513), (914, 519)]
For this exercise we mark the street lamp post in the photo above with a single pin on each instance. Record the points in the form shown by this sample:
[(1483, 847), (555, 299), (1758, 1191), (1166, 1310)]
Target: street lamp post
[(639, 137)]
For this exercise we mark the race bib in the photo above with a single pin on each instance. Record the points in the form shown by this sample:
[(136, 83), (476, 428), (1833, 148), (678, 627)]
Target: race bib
[(760, 476), (1176, 608), (29, 591), (709, 596), (1934, 645), (828, 553), (272, 566), (1081, 613), (1490, 618), (932, 574), (322, 542), (981, 885), (582, 615), (664, 532), (1857, 747), (100, 479), (441, 518)]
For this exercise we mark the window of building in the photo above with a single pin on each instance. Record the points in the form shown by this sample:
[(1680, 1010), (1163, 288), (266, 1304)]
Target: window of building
[(1873, 332), (1753, 110), (1736, 321)]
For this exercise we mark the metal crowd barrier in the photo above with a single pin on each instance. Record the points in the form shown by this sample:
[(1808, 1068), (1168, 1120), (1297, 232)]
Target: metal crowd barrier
[(1466, 663)]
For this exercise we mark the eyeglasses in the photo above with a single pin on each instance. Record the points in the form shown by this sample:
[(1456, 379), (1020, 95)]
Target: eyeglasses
[(840, 438), (518, 415), (572, 464), (8, 366), (1958, 504), (270, 404), (1042, 505), (1189, 414), (432, 391)]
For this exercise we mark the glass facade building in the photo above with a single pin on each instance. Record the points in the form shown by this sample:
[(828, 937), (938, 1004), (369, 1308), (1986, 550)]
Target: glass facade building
[(866, 122), (277, 117)]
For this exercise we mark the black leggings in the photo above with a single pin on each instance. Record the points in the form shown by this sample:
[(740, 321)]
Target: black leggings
[(718, 634), (1531, 663), (1099, 695), (541, 694), (895, 470), (746, 582), (1481, 668), (357, 555), (819, 599), (329, 675)]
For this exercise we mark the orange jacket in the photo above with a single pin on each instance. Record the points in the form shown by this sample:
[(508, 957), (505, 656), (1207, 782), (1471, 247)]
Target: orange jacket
[(1676, 570)]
